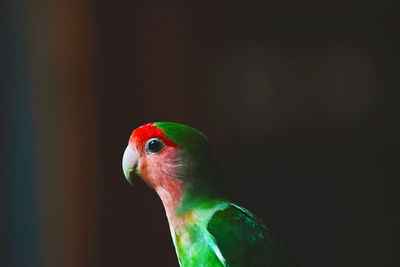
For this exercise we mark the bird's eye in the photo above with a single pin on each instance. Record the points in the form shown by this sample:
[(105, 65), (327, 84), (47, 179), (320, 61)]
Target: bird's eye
[(154, 145)]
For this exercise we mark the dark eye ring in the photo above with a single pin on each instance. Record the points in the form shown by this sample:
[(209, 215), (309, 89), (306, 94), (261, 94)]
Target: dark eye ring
[(154, 145)]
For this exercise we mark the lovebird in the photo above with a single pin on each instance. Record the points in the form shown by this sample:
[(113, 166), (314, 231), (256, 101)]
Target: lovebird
[(207, 228)]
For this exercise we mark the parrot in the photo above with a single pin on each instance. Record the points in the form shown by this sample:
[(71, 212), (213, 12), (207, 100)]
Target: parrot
[(207, 228)]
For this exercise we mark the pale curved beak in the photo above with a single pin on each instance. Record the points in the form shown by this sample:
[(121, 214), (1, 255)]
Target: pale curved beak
[(129, 163)]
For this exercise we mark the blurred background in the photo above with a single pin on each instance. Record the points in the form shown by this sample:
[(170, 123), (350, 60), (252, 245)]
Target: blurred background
[(298, 100)]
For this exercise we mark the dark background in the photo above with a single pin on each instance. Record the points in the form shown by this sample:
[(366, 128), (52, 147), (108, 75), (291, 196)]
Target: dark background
[(298, 100)]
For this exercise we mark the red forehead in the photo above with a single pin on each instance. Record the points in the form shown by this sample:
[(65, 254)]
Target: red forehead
[(147, 131)]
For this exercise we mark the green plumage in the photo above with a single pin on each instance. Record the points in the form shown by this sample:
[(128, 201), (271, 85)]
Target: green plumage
[(225, 234), (244, 241)]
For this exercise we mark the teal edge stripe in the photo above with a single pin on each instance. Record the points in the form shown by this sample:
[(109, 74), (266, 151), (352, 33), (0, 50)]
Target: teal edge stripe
[(19, 206)]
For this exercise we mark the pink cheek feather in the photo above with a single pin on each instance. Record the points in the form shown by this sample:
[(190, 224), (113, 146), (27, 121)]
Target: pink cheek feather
[(159, 171)]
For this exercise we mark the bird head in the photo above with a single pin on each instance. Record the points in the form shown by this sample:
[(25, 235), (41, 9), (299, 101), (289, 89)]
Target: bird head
[(173, 159)]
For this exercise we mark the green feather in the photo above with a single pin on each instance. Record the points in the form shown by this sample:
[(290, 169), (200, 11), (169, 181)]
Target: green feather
[(245, 241), (195, 245), (225, 234)]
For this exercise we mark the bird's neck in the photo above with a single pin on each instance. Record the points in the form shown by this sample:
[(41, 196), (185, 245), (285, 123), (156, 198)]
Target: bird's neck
[(195, 186), (174, 197), (180, 200), (171, 197)]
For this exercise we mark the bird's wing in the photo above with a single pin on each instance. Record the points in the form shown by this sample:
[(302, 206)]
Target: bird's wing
[(243, 240)]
